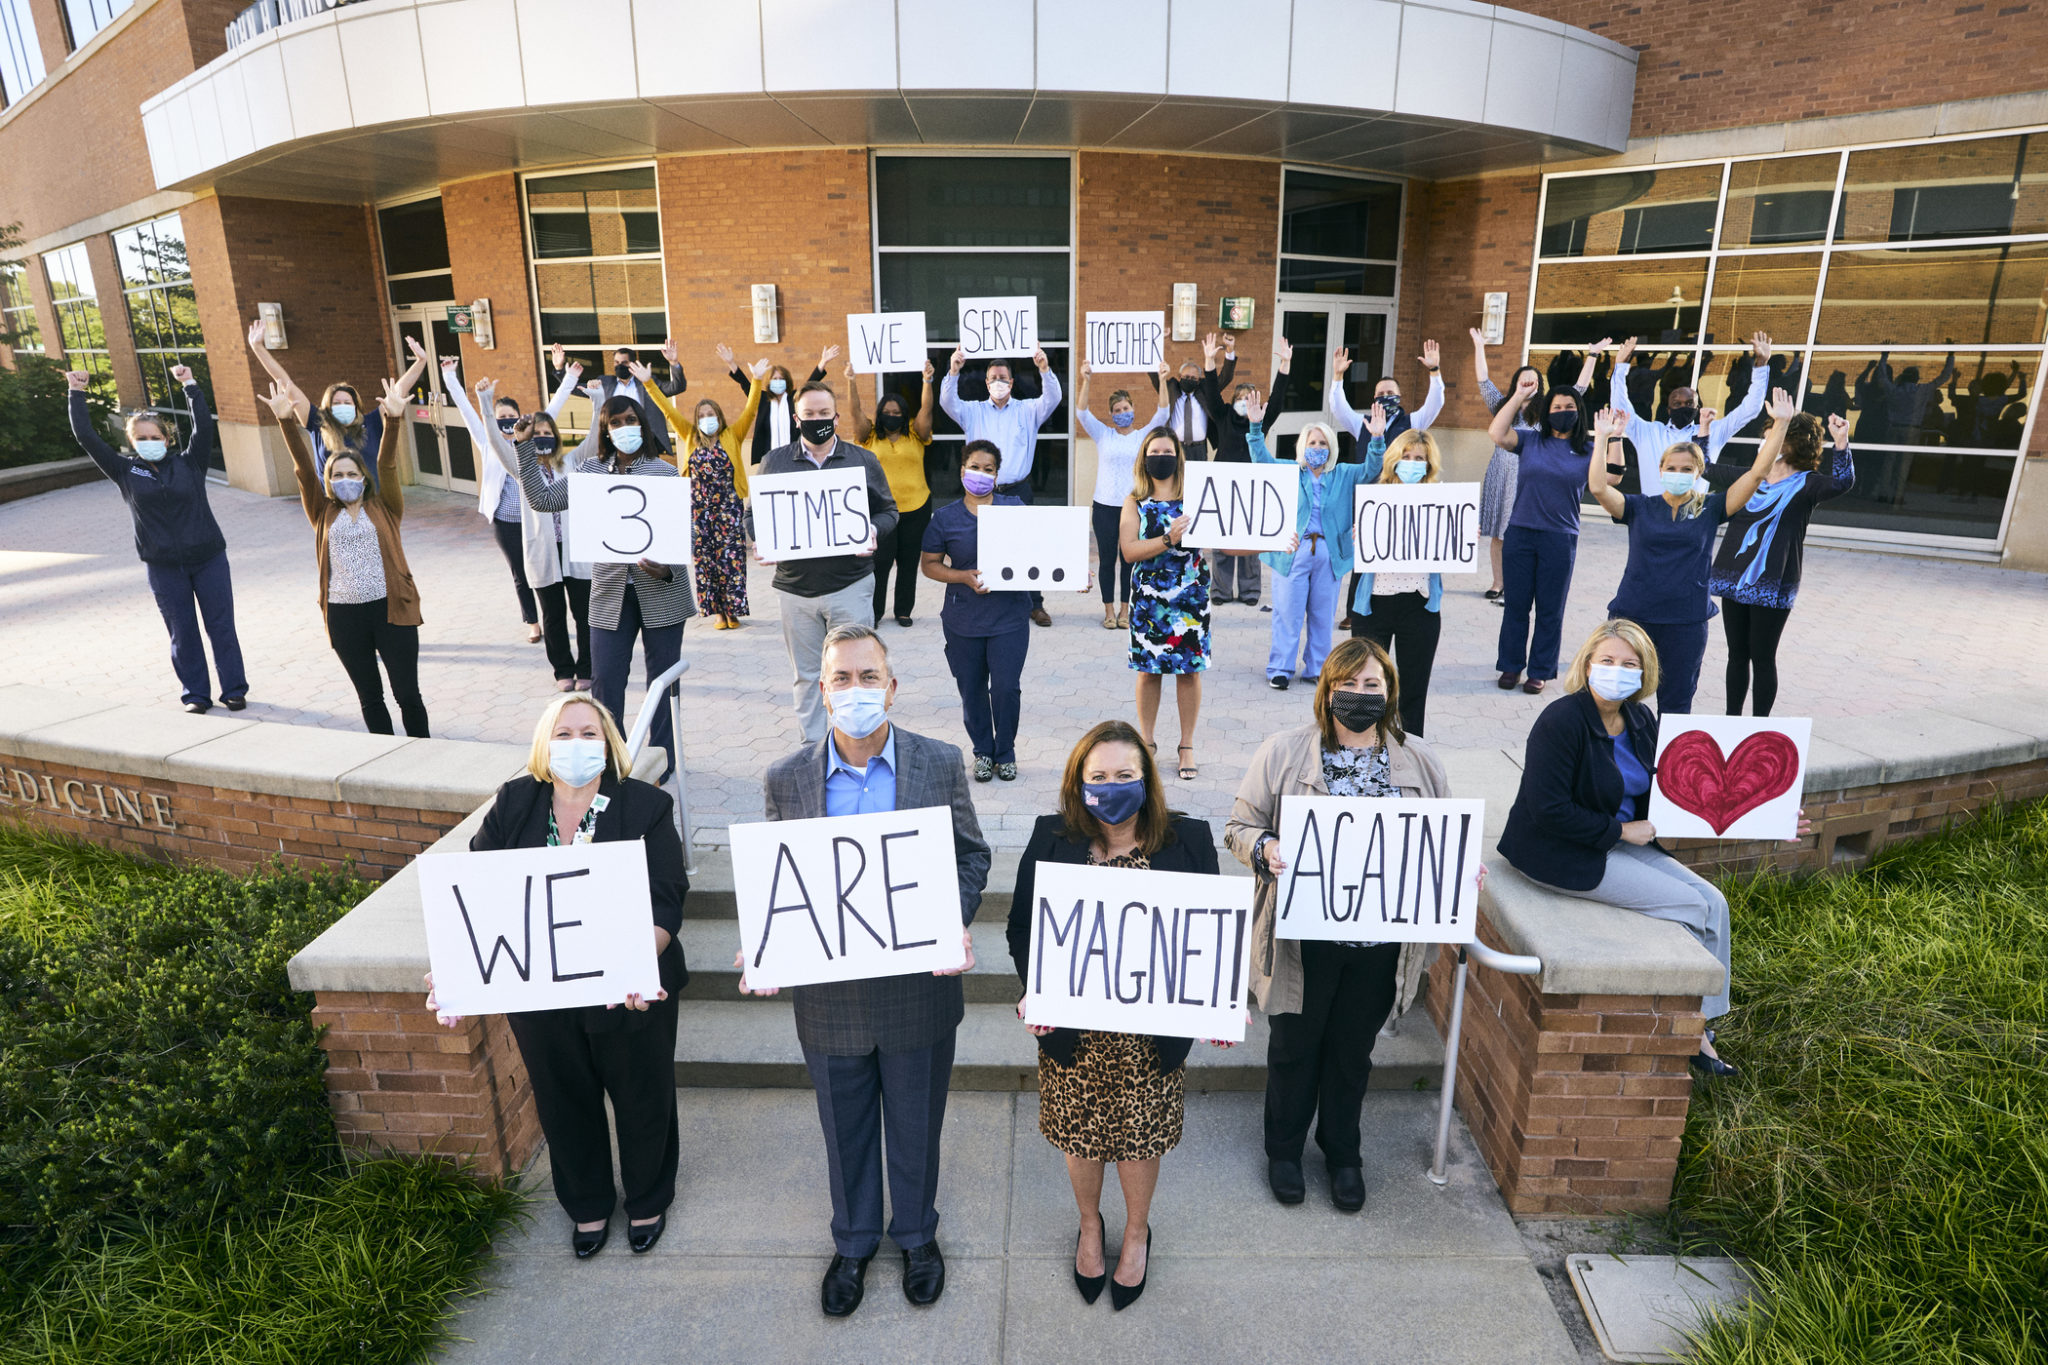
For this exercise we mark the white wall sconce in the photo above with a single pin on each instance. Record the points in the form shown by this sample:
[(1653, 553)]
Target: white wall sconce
[(1184, 312), (271, 315), (1496, 325), (766, 330)]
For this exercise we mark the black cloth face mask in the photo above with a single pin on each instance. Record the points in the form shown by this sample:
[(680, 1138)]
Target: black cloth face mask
[(817, 430), (1358, 711)]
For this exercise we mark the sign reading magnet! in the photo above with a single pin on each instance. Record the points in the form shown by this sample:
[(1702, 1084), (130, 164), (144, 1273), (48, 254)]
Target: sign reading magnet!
[(1240, 506), (1729, 777), (625, 518), (1379, 869), (847, 897), (812, 513), (999, 326), (1416, 528), (1121, 950), (1125, 343), (885, 343), (539, 928)]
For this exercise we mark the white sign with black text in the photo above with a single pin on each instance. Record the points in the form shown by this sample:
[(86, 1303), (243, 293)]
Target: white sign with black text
[(1240, 506), (625, 518), (539, 928), (998, 326), (1032, 549), (885, 343), (812, 513), (1125, 343), (1379, 869), (848, 897), (1416, 528), (1124, 950)]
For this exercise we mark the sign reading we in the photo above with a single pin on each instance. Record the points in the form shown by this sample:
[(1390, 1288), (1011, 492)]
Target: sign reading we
[(848, 897), (1379, 869), (1240, 506), (1006, 326), (1125, 343), (812, 513), (1416, 528), (539, 928), (625, 518), (1124, 950), (885, 343)]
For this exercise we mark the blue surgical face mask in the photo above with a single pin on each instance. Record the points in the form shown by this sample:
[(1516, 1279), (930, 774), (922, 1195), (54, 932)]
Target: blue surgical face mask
[(1122, 419), (627, 439), (1315, 457), (576, 762), (858, 712), (342, 413), (348, 490), (1410, 471), (1612, 682), (1113, 802), (1677, 482), (152, 450), (777, 385)]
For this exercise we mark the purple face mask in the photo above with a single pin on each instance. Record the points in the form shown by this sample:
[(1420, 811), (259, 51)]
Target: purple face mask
[(977, 483)]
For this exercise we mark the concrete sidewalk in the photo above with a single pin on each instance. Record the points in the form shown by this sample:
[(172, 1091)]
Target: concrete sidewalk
[(1424, 1276)]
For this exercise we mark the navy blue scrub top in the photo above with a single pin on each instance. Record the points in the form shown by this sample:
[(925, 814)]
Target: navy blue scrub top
[(1665, 582), (955, 533)]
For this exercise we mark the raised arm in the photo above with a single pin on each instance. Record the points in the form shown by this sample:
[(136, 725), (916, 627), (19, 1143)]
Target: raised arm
[(283, 406), (451, 384), (1841, 472), (572, 375), (1592, 363), (1752, 402), (949, 390), (1608, 426), (1433, 401), (1275, 396), (922, 423), (863, 426), (743, 426), (1050, 393), (390, 489), (677, 381), (301, 405), (1782, 410), (684, 434), (1340, 402), (200, 448), (487, 434), (407, 380), (89, 440), (1502, 429), (1480, 374)]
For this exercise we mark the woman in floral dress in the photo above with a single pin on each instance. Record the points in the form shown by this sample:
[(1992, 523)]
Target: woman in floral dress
[(1169, 592), (718, 498)]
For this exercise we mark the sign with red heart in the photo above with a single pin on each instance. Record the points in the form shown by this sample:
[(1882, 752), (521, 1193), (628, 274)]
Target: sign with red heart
[(1729, 777)]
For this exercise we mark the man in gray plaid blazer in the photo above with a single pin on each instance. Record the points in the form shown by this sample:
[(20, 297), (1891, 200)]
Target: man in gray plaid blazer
[(880, 1051)]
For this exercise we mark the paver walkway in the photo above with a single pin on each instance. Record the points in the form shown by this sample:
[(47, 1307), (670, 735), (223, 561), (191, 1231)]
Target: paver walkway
[(1872, 633)]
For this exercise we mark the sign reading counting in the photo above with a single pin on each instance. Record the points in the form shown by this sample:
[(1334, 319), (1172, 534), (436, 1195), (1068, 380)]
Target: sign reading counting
[(539, 928), (625, 518), (998, 326), (1379, 870), (1124, 950), (1033, 548), (885, 343), (1120, 343), (1240, 506), (848, 897), (812, 513), (1416, 528)]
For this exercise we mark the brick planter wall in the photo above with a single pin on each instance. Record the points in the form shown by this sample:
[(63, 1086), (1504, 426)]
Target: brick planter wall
[(398, 1081)]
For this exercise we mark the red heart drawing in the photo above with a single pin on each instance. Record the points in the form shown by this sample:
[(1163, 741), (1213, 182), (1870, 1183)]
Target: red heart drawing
[(1696, 778)]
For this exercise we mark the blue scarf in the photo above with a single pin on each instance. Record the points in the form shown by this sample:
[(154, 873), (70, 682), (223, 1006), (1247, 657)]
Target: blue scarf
[(1768, 504)]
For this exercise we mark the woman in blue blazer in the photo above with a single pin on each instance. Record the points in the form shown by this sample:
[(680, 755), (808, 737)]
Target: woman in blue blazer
[(1306, 582)]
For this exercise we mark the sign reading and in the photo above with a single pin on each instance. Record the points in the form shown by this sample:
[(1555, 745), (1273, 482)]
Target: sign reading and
[(1240, 506)]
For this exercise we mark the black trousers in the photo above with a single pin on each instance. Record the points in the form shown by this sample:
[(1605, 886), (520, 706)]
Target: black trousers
[(361, 634), (1112, 570), (572, 1072), (1752, 634), (1405, 625), (1320, 1060), (859, 1098), (512, 544), (900, 550), (559, 601)]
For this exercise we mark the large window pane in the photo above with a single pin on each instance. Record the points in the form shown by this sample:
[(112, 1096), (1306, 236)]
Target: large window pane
[(973, 201), (1929, 492), (21, 55), (1726, 377), (1330, 215), (1771, 294), (1631, 212), (423, 289), (88, 17), (163, 316), (1936, 296), (616, 303), (1299, 276), (1580, 302), (18, 325), (935, 282), (594, 213), (415, 237), (1972, 400), (1779, 202), (1986, 187)]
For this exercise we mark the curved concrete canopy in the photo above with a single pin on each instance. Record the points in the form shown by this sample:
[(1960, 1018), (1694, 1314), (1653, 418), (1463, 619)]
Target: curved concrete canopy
[(395, 96)]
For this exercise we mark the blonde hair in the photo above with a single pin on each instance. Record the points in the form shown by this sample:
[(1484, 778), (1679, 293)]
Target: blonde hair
[(618, 762), (1404, 443), (1329, 438), (1692, 505), (164, 426), (1630, 634)]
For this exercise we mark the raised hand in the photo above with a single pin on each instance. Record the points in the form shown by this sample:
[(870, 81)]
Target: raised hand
[(1478, 338), (1432, 357), (1781, 407), (724, 353), (522, 428), (555, 355), (1610, 422), (760, 367), (643, 373), (955, 361), (1252, 402), (484, 389), (393, 401), (182, 374), (256, 330), (1087, 370), (575, 370), (929, 369), (1038, 358), (1525, 387), (78, 379), (668, 349), (1340, 363), (1838, 429), (1376, 421), (1230, 345), (1601, 346), (417, 351), (851, 378), (279, 399), (1209, 351), (827, 356), (1760, 346), (1283, 348), (1627, 351)]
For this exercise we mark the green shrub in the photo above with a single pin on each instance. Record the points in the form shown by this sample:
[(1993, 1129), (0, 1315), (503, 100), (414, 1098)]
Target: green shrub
[(1885, 1159), (155, 1063), (35, 421)]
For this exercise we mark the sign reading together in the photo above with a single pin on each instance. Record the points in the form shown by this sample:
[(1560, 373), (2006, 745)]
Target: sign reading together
[(1379, 869), (625, 518), (1120, 343), (812, 513)]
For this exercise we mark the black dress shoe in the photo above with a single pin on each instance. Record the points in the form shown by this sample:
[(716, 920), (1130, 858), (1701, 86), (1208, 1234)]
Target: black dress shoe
[(1120, 1297), (234, 703), (1091, 1285), (924, 1274), (1713, 1066), (1347, 1188), (1278, 682), (198, 708), (1285, 1178), (588, 1244), (642, 1236), (845, 1283)]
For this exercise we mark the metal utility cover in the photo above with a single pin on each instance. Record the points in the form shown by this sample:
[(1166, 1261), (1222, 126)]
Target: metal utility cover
[(1642, 1306)]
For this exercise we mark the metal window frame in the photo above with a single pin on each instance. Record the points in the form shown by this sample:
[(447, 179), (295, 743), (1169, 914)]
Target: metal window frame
[(532, 262), (1400, 242)]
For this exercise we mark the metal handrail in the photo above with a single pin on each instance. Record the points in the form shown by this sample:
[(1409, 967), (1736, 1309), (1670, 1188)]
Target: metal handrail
[(1514, 965), (659, 689)]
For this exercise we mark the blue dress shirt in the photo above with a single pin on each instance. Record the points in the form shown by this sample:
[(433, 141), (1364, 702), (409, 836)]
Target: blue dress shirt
[(1013, 426), (853, 791)]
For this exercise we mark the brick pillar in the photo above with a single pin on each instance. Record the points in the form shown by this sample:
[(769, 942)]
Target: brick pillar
[(487, 255), (1577, 1102), (400, 1082)]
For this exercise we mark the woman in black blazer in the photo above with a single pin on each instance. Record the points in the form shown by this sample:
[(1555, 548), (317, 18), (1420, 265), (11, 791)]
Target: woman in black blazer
[(1578, 825), (1110, 1097), (575, 790)]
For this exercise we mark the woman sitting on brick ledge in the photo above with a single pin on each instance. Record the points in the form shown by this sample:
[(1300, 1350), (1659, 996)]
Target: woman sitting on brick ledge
[(576, 790)]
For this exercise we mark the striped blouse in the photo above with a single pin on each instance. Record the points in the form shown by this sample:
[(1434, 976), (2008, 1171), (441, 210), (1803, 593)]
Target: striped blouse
[(662, 602)]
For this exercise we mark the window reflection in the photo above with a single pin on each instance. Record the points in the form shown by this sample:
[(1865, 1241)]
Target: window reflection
[(1936, 295), (1985, 187), (1771, 294), (935, 282), (594, 213), (1581, 302), (1631, 212), (973, 201), (601, 304), (1779, 202), (1976, 400), (1727, 374)]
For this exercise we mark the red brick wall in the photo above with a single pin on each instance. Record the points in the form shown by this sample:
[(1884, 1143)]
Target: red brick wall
[(1146, 223), (487, 248)]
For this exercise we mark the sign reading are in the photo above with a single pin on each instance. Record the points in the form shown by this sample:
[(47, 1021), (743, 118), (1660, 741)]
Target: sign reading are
[(1240, 506), (885, 343), (1416, 528), (1006, 326), (539, 928), (625, 518), (1124, 950), (848, 897), (1379, 869), (812, 513), (1125, 342)]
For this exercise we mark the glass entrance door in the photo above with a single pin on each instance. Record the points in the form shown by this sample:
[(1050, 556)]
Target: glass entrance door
[(442, 453), (1317, 331)]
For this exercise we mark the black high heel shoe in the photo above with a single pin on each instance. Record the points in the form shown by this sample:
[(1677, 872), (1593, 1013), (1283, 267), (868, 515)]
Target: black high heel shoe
[(1121, 1298), (588, 1244), (1091, 1285)]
